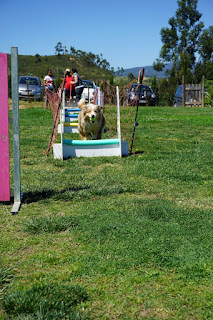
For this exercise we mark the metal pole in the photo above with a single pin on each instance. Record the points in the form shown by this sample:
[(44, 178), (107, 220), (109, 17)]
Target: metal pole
[(99, 100), (118, 121), (62, 123), (140, 80), (28, 93), (16, 138)]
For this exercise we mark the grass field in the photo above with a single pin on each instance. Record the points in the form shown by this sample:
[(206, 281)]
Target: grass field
[(111, 238)]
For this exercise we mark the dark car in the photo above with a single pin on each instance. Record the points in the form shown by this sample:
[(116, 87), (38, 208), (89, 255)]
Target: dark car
[(141, 93), (30, 87), (178, 99)]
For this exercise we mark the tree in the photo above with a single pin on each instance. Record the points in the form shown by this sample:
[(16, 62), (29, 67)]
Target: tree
[(59, 48), (72, 50), (105, 64), (120, 71), (205, 46), (38, 58), (130, 76), (180, 39)]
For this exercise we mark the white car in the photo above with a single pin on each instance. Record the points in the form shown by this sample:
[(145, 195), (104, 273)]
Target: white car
[(89, 90)]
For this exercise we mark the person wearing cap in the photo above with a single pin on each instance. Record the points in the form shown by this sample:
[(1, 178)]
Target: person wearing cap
[(67, 85)]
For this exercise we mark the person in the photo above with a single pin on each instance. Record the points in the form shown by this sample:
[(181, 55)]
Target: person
[(68, 87), (77, 82), (48, 84)]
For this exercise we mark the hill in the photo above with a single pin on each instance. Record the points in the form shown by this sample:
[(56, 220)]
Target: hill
[(38, 66), (149, 71)]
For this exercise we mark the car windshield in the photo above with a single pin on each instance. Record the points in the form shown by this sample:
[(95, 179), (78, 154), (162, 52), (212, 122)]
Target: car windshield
[(30, 81), (144, 89), (88, 84), (133, 87), (179, 91)]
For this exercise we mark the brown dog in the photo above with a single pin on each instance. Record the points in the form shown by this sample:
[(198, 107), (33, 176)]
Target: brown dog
[(91, 121)]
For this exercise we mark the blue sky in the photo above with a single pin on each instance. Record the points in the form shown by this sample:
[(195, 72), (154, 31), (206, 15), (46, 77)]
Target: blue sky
[(127, 33)]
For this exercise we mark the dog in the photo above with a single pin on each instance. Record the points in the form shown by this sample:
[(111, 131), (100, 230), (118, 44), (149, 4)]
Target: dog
[(91, 121)]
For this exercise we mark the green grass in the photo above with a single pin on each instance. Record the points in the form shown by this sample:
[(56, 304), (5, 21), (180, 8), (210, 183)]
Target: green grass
[(111, 238)]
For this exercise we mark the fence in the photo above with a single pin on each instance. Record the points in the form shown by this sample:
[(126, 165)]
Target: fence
[(193, 94)]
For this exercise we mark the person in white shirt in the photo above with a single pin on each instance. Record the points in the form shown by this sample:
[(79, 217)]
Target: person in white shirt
[(48, 84), (49, 80)]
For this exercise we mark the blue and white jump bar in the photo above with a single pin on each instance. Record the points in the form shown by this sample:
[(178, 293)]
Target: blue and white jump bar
[(89, 148)]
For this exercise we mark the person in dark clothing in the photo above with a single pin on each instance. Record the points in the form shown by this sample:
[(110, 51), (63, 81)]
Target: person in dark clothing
[(77, 82)]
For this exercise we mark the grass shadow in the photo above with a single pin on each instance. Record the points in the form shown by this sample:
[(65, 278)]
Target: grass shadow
[(35, 196)]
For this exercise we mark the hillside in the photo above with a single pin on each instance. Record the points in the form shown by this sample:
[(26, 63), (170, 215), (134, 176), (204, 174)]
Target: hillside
[(149, 71), (38, 66)]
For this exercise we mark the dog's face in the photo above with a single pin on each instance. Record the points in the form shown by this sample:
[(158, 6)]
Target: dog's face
[(91, 120), (91, 112)]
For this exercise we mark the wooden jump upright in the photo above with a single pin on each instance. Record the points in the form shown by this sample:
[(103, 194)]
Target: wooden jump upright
[(4, 131)]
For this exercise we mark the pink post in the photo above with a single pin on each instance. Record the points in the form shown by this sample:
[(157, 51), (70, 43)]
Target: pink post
[(4, 131)]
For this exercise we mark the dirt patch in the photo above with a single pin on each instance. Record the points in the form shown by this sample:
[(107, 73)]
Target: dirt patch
[(26, 104)]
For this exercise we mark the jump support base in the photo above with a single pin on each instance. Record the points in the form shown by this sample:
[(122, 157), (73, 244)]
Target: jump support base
[(90, 148)]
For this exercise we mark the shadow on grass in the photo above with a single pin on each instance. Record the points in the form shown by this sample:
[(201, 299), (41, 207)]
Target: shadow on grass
[(35, 196)]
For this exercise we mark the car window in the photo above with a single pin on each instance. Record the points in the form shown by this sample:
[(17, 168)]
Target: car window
[(88, 84), (33, 82), (30, 81), (141, 88)]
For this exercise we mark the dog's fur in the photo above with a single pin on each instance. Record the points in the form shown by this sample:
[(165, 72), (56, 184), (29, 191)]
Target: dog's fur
[(91, 121)]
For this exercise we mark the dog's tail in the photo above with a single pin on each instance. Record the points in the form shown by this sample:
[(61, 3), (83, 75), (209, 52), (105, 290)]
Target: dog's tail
[(81, 103)]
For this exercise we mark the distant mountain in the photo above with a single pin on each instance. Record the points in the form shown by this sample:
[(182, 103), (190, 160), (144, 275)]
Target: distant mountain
[(149, 71)]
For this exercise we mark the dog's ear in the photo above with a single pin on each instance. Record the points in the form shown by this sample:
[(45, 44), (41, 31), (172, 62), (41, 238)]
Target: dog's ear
[(101, 108), (81, 103)]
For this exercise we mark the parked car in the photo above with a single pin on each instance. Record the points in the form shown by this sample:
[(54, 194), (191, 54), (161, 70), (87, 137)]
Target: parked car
[(89, 90), (142, 93), (30, 87), (178, 99)]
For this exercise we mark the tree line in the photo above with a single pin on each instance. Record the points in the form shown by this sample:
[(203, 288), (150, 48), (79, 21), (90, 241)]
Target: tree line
[(185, 40), (188, 45), (89, 58)]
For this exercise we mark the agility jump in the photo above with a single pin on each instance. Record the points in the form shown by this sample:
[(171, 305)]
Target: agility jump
[(87, 148)]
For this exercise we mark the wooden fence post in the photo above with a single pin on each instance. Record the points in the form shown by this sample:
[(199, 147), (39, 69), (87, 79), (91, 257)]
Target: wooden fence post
[(203, 84), (183, 91)]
